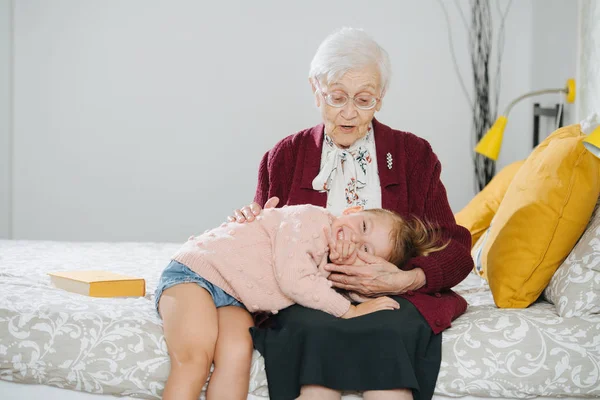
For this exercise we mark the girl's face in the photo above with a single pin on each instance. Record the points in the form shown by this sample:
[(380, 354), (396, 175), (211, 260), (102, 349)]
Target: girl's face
[(370, 232)]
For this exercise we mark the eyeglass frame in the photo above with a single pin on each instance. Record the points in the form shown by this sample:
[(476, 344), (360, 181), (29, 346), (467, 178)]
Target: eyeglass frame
[(325, 94)]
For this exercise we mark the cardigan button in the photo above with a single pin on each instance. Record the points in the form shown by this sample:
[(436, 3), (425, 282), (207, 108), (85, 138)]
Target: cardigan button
[(438, 295), (438, 322)]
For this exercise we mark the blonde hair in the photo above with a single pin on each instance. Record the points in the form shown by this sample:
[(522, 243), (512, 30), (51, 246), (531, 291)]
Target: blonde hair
[(411, 237)]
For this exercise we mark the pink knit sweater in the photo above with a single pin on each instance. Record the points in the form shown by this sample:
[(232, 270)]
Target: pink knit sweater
[(271, 263)]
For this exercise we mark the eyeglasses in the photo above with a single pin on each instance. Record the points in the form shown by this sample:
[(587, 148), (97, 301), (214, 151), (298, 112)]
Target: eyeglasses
[(340, 99)]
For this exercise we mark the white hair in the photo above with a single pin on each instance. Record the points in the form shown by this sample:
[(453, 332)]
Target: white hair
[(349, 49)]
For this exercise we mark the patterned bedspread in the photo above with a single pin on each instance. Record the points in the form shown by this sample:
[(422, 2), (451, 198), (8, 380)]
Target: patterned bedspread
[(115, 346)]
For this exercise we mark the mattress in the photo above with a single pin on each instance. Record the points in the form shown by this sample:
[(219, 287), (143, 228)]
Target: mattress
[(115, 346)]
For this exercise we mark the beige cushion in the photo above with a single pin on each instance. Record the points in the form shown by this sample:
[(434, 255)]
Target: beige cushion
[(575, 286)]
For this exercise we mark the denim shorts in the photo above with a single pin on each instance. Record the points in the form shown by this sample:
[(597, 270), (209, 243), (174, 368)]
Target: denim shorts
[(177, 273)]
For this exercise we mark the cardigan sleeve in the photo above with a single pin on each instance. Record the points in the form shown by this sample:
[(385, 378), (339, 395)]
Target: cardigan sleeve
[(262, 187), (448, 267), (272, 179)]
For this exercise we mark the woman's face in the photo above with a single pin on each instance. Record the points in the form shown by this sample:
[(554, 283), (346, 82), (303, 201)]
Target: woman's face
[(345, 125)]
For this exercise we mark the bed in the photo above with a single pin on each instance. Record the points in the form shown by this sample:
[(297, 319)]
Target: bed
[(59, 345)]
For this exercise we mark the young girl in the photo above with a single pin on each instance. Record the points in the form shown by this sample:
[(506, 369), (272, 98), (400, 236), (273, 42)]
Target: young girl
[(205, 293)]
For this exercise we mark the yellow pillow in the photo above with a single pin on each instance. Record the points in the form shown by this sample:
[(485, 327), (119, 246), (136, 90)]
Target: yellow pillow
[(477, 215), (544, 212)]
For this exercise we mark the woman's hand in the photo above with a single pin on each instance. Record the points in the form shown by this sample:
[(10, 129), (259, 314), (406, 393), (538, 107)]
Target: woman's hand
[(249, 212), (368, 307), (377, 277)]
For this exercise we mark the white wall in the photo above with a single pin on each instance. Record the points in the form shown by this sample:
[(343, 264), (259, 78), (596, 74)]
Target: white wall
[(146, 120), (550, 51), (589, 58), (5, 121), (515, 80), (555, 38)]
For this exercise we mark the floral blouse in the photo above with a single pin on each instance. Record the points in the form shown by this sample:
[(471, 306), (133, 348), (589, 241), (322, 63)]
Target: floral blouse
[(349, 176)]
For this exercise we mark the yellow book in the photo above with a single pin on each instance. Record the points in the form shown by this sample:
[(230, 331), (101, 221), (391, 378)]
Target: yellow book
[(99, 283)]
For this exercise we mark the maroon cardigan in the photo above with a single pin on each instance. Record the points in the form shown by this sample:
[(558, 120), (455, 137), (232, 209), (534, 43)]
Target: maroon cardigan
[(411, 187)]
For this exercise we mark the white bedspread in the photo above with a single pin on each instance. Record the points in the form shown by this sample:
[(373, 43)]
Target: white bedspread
[(115, 346)]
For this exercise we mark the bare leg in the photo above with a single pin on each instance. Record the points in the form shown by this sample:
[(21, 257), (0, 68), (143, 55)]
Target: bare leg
[(233, 355), (398, 394), (191, 328), (314, 392)]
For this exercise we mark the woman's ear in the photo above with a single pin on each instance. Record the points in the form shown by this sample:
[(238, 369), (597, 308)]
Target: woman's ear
[(352, 210), (312, 85), (314, 90)]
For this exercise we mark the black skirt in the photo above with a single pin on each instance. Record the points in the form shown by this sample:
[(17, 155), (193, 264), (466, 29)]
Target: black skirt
[(380, 351)]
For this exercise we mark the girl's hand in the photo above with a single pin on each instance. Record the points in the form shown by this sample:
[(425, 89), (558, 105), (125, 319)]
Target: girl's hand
[(343, 252), (249, 212), (371, 306)]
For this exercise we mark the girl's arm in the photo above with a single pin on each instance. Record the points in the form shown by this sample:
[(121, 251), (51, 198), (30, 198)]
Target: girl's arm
[(298, 250)]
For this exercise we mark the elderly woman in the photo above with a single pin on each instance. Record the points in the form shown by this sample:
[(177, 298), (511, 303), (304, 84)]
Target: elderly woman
[(352, 159)]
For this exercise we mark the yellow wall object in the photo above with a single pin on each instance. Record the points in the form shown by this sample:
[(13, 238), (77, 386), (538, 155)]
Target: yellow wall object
[(571, 90), (544, 212), (477, 215), (491, 142)]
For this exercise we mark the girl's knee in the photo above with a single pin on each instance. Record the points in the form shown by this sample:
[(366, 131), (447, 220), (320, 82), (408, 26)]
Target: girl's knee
[(237, 355), (192, 359)]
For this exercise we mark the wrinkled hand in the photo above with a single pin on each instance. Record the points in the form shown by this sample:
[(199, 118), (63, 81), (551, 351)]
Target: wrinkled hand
[(368, 307), (375, 278), (249, 212)]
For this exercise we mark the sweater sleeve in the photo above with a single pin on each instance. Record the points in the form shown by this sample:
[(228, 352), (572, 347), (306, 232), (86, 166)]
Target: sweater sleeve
[(297, 251), (448, 267)]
